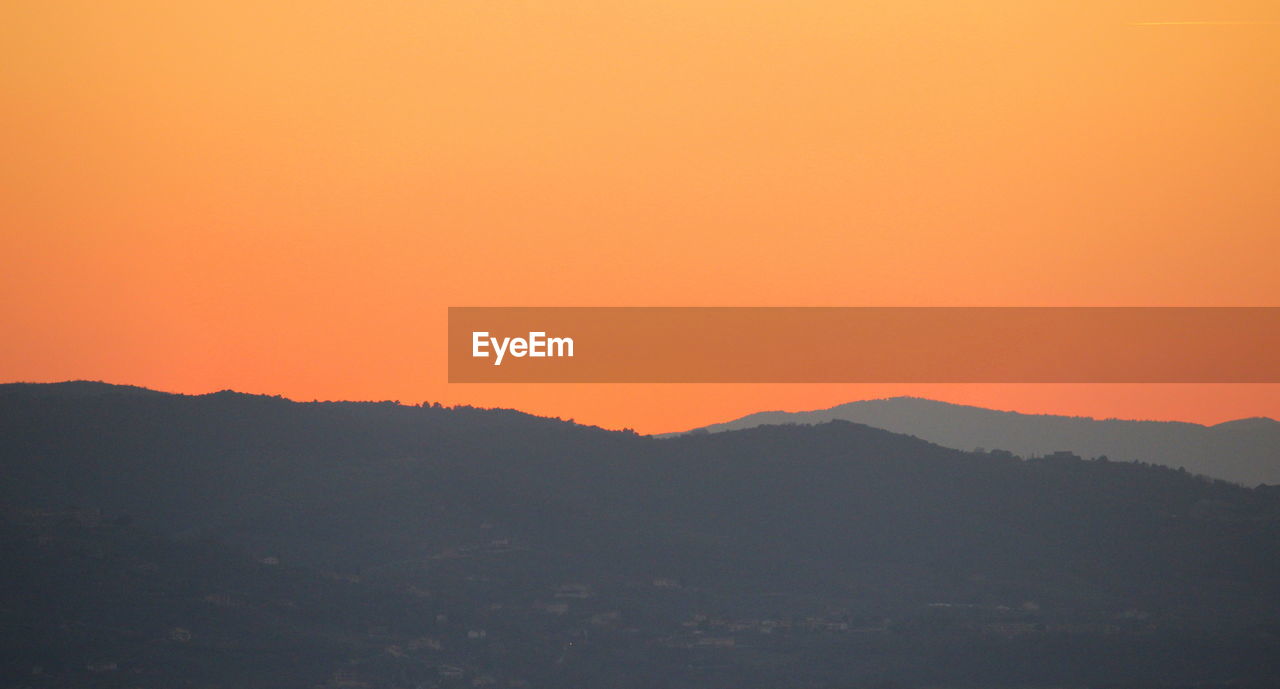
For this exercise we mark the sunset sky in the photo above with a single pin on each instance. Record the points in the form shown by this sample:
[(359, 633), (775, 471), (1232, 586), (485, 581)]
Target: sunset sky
[(284, 198)]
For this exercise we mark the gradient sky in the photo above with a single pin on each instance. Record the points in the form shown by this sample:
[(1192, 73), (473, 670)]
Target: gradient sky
[(284, 197)]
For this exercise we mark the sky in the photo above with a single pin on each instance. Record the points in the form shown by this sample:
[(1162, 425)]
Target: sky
[(284, 198)]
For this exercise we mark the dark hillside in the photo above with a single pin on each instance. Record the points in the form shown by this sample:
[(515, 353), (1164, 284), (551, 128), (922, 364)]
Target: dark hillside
[(555, 554)]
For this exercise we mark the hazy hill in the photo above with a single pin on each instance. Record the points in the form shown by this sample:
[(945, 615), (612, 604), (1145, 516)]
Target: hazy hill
[(837, 555), (74, 388), (1245, 451)]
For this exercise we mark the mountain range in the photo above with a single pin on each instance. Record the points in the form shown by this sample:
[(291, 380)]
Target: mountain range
[(1245, 451), (233, 540)]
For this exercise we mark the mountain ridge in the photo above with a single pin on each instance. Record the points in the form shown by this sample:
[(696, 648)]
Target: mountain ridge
[(457, 546), (1246, 450)]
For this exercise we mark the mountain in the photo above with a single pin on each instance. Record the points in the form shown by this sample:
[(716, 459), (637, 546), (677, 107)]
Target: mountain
[(1246, 451), (242, 541), (73, 388)]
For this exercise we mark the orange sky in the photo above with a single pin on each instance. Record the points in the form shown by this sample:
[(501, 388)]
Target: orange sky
[(285, 197)]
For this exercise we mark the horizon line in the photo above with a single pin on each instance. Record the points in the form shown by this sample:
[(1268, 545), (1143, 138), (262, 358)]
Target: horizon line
[(426, 403)]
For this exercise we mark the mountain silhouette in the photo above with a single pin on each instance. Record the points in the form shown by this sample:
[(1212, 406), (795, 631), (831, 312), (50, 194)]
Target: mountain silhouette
[(241, 540), (1246, 451)]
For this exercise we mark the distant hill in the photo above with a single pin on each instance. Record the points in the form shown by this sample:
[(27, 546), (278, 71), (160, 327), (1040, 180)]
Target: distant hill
[(73, 388), (381, 545), (1246, 451)]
